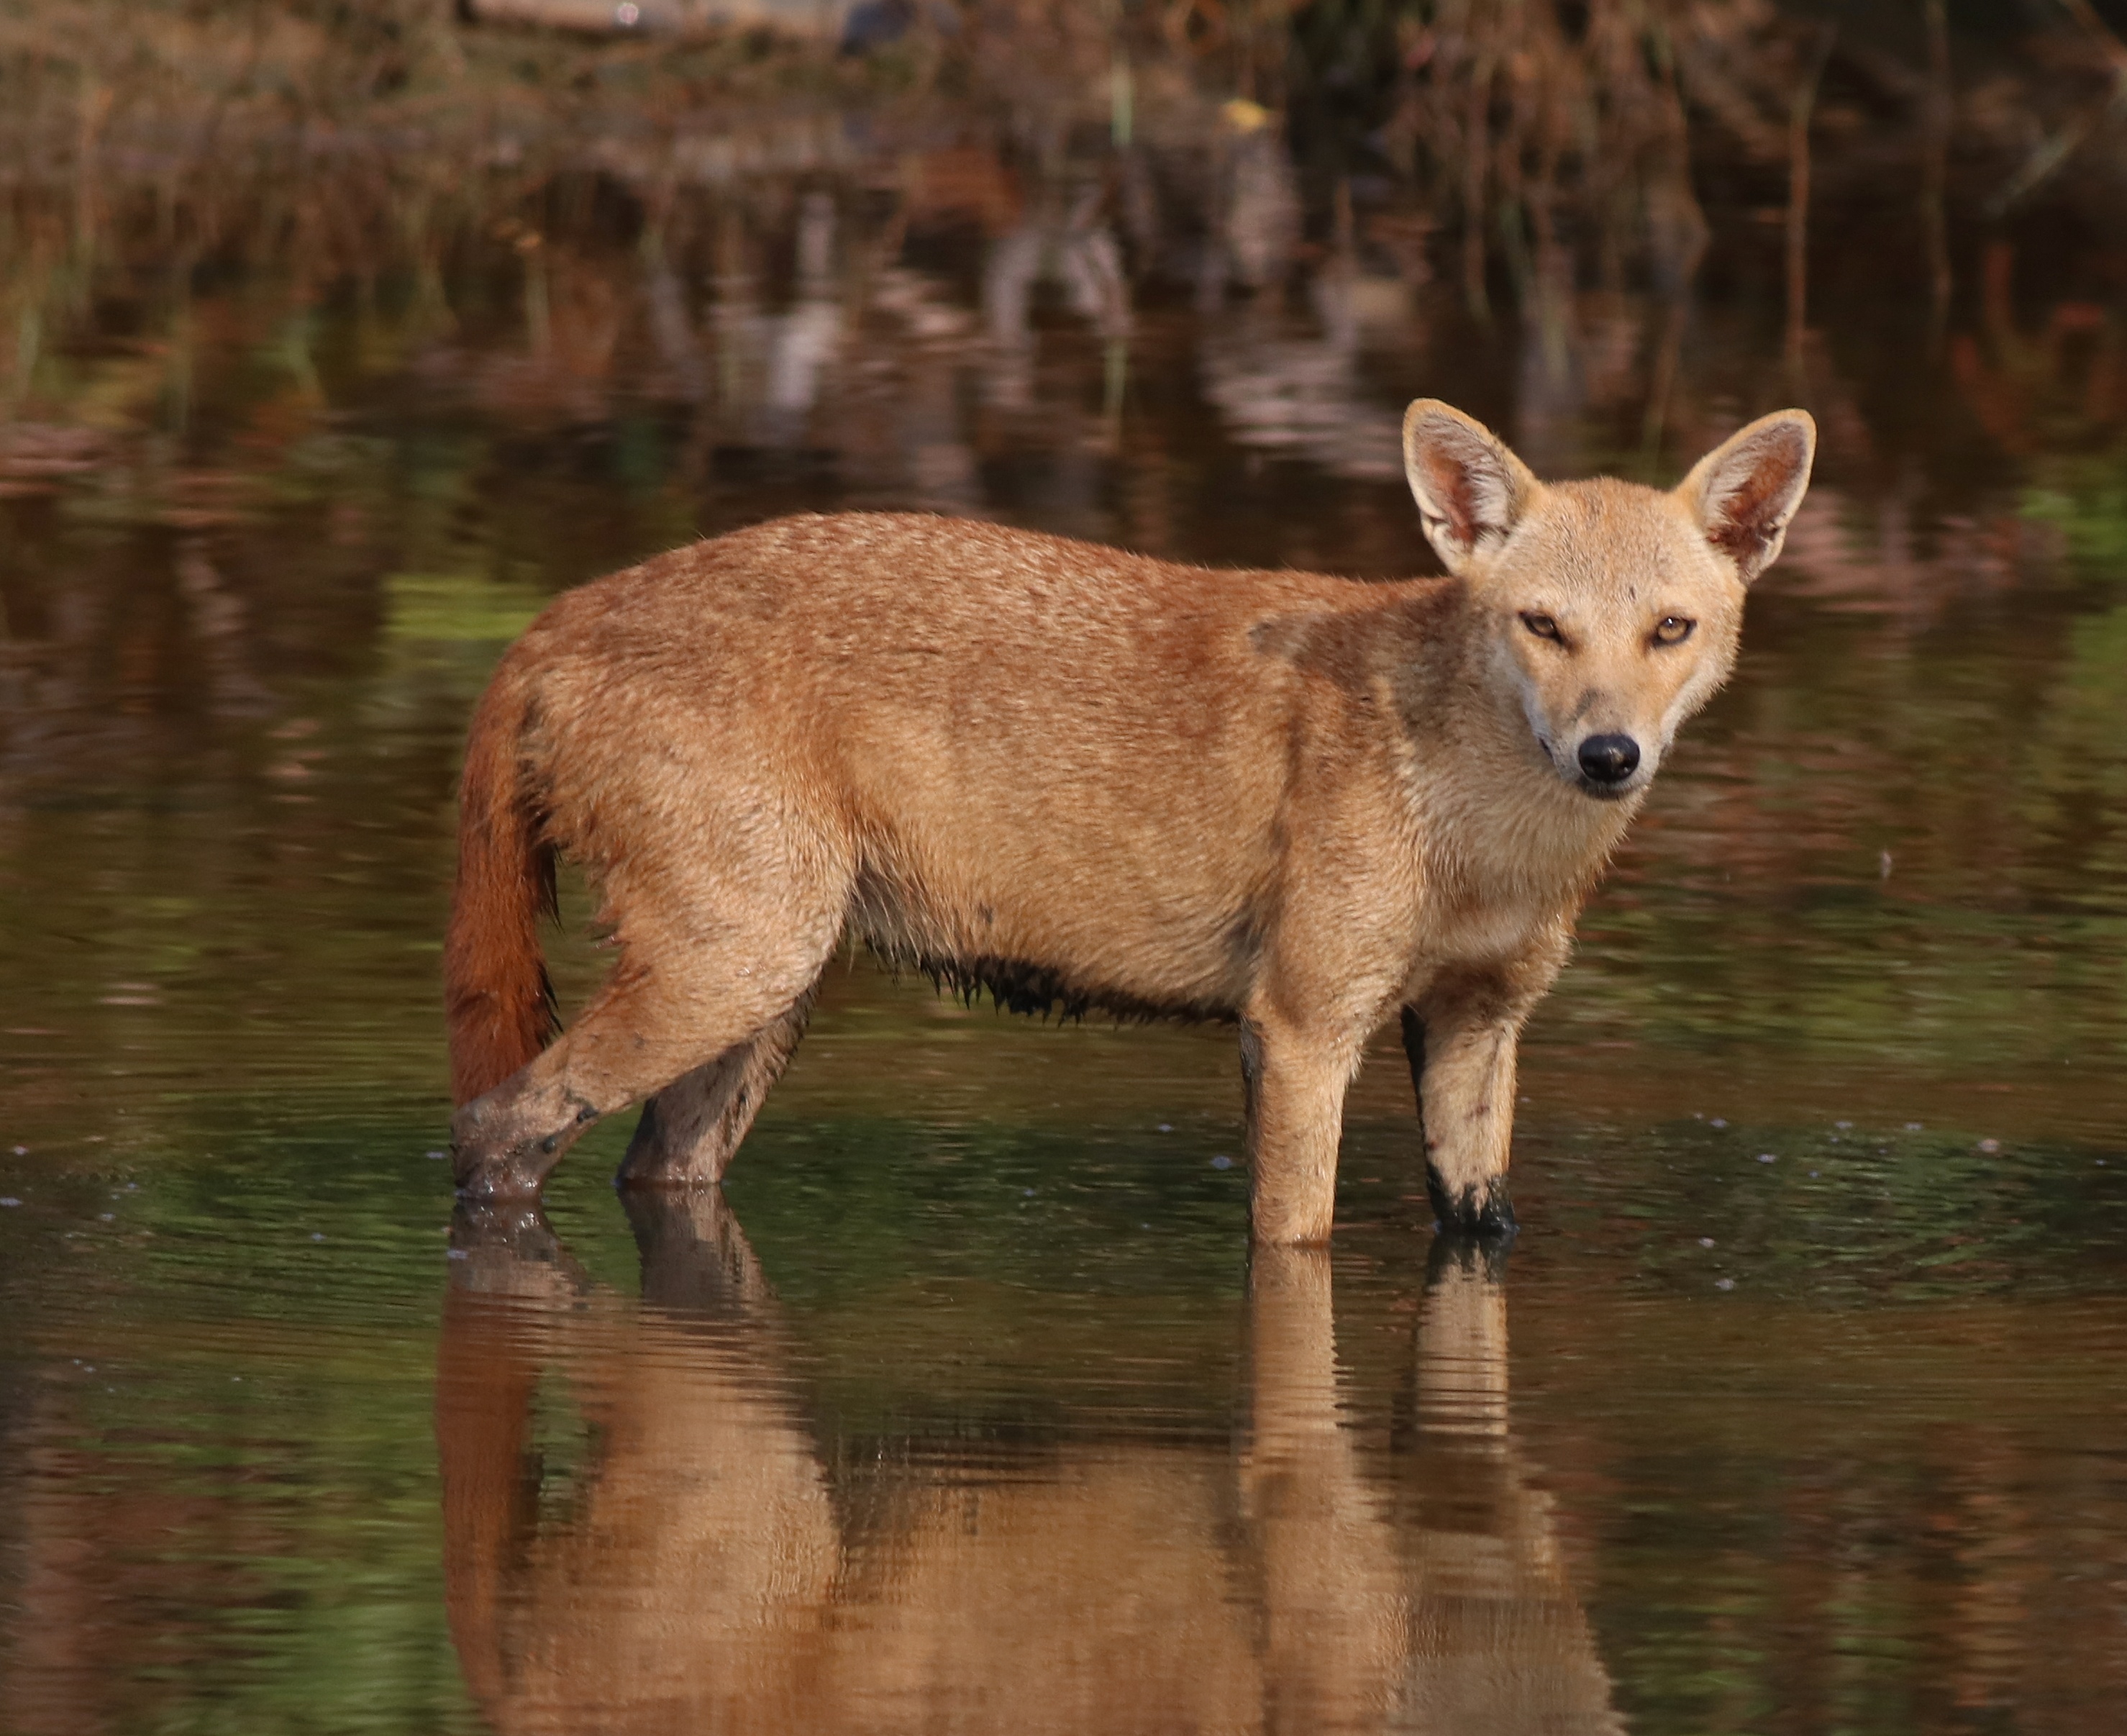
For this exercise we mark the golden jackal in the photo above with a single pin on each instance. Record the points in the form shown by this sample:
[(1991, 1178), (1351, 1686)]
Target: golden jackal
[(1081, 778)]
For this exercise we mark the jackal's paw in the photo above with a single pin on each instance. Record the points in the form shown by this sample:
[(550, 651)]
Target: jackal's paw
[(497, 1181), (1482, 1209), (491, 1161)]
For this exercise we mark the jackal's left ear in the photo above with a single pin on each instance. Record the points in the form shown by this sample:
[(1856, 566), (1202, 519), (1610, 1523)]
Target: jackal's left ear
[(1470, 489), (1744, 491)]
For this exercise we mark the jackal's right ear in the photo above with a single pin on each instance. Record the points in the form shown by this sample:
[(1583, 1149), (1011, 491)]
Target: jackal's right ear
[(1470, 489), (1744, 491)]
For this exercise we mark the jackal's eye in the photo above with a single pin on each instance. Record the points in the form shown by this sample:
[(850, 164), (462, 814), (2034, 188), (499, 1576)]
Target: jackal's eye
[(1673, 629), (1543, 626)]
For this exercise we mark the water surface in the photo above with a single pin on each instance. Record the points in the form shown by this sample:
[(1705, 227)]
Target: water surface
[(1799, 1405)]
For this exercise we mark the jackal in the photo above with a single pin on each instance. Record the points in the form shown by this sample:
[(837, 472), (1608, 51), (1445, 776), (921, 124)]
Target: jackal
[(1084, 779)]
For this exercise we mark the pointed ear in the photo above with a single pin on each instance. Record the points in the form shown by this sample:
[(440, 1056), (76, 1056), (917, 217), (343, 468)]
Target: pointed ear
[(1744, 491), (1470, 490)]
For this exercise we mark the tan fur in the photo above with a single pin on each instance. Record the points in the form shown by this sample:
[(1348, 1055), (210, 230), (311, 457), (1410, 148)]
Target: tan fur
[(1088, 779)]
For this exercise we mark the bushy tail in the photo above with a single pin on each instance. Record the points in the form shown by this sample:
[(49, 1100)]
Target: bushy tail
[(497, 998)]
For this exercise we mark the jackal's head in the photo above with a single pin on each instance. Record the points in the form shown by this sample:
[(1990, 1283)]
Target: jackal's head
[(1611, 611)]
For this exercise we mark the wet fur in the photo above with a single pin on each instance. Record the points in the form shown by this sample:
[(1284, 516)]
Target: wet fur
[(1083, 780)]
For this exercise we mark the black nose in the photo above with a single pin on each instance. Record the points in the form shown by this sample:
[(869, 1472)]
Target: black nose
[(1609, 759)]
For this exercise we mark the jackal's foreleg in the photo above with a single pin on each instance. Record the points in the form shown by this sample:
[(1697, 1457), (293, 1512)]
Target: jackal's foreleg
[(1296, 1081), (1461, 1044)]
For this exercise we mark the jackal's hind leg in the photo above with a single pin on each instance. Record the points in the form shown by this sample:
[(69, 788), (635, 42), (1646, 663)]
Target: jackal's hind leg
[(651, 1025), (690, 1129)]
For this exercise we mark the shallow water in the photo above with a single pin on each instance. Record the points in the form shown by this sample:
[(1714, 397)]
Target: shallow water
[(1800, 1404)]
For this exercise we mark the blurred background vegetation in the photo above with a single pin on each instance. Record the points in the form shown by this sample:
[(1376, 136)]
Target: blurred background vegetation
[(1522, 150), (612, 176), (1555, 119)]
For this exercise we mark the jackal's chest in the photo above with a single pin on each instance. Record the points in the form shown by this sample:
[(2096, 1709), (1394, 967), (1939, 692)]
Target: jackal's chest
[(1475, 934), (1473, 916), (1505, 856)]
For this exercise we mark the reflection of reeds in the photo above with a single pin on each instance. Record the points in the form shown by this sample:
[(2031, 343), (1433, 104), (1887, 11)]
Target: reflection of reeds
[(1568, 142), (1560, 137), (1549, 144), (144, 140)]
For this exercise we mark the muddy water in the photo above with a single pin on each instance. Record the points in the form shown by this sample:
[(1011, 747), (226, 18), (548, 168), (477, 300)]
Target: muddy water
[(1800, 1405)]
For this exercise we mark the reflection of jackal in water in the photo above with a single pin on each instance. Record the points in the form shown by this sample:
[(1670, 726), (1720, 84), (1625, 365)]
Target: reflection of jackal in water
[(1083, 778), (700, 1576)]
